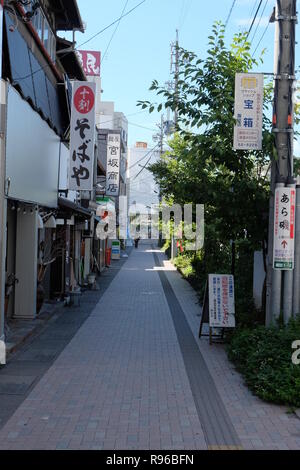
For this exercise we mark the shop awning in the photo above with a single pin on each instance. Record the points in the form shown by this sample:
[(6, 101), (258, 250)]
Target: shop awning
[(72, 207)]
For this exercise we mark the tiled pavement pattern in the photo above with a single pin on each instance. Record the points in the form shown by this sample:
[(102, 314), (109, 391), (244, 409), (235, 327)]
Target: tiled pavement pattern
[(121, 382), (259, 425), (30, 361)]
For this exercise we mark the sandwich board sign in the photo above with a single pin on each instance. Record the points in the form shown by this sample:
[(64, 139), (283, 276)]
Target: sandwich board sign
[(218, 307), (284, 229)]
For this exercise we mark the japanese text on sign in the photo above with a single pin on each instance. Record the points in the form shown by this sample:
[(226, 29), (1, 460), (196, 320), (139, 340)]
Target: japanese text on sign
[(113, 164), (82, 137), (221, 301), (284, 228), (90, 61), (248, 111)]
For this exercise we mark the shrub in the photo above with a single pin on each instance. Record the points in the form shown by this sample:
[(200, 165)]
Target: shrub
[(264, 357)]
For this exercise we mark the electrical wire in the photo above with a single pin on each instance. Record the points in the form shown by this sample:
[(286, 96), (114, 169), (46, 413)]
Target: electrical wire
[(185, 11), (145, 156), (230, 13), (253, 8), (114, 32), (144, 168), (254, 18), (85, 42), (112, 24), (125, 115), (259, 21), (262, 36), (141, 126)]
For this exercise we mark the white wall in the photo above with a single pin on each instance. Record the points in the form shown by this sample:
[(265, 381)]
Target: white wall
[(32, 154)]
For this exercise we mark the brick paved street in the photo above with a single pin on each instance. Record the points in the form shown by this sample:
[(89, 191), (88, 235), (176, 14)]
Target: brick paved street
[(122, 382)]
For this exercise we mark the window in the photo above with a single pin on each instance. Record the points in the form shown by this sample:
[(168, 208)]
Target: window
[(44, 32), (37, 22)]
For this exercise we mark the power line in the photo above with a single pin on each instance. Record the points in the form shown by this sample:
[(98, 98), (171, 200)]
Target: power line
[(262, 36), (230, 13), (254, 18), (125, 115), (112, 24), (185, 11), (261, 16), (88, 40), (253, 8), (144, 168), (148, 153), (114, 32), (142, 127)]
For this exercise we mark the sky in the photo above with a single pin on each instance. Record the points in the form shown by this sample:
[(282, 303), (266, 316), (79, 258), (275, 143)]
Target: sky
[(139, 49)]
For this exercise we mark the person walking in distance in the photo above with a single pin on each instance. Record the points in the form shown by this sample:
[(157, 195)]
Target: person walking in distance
[(136, 242)]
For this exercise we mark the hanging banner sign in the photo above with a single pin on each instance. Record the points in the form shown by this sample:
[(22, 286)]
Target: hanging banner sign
[(82, 137), (249, 93), (90, 61), (113, 164), (284, 229)]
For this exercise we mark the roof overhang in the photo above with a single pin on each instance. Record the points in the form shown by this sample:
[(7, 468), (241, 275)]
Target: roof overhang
[(71, 208), (69, 60), (67, 15)]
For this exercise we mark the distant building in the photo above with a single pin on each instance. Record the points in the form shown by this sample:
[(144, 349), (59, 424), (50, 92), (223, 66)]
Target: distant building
[(142, 187)]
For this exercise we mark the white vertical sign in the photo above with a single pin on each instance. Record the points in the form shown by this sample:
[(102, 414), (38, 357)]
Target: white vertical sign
[(82, 137), (113, 164), (284, 229), (249, 94), (221, 301)]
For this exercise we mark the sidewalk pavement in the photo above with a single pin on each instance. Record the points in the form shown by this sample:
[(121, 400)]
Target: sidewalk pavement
[(123, 381), (259, 425)]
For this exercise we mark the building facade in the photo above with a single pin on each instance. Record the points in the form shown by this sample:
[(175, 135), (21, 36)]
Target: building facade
[(45, 227), (143, 192)]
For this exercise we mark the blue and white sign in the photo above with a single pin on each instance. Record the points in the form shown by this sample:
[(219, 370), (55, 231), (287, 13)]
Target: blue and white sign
[(249, 94)]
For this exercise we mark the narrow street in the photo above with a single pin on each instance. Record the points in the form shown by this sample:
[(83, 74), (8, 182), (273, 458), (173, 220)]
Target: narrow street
[(135, 376)]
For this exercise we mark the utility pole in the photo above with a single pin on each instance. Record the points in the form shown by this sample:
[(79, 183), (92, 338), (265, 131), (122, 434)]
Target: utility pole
[(280, 283), (176, 78)]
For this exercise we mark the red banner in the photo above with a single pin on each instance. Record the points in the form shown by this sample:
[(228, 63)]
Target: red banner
[(90, 61)]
